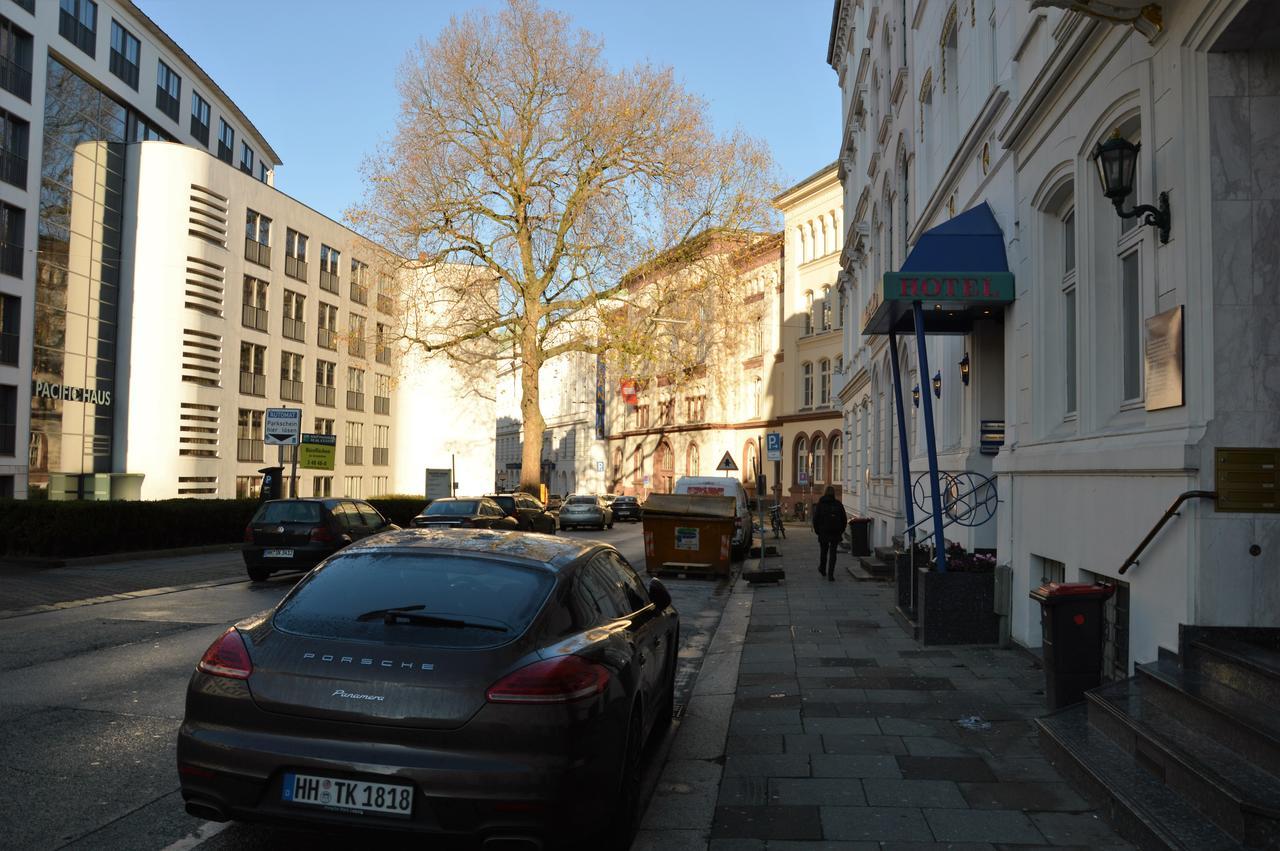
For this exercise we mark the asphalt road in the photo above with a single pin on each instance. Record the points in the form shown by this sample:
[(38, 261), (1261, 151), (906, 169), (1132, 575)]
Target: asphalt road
[(92, 698)]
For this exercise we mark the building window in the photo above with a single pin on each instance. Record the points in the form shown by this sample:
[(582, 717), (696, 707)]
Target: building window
[(327, 337), (379, 486), (843, 305), (359, 281), (354, 443), (755, 336), (806, 384), (295, 254), (322, 486), (819, 461), (381, 344), (254, 312), (78, 24), (253, 369), (808, 312), (824, 381), (326, 384), (324, 425), (263, 171), (756, 398), (200, 118), (248, 487), (249, 435), (382, 394), (802, 461), (355, 342), (14, 133), (1069, 348), (837, 461), (12, 239), (692, 461), (381, 445), (351, 487), (168, 89), (355, 389), (257, 238), (246, 158), (291, 376), (226, 141), (16, 49), (826, 308), (1131, 325), (386, 303), (125, 51), (329, 259), (10, 317), (295, 326), (29, 5)]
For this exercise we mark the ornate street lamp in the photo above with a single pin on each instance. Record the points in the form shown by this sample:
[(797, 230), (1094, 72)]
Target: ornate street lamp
[(937, 384), (964, 369), (1117, 162)]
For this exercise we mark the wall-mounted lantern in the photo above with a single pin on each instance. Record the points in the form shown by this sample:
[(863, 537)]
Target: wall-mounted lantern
[(964, 369), (937, 384), (915, 395), (1117, 162)]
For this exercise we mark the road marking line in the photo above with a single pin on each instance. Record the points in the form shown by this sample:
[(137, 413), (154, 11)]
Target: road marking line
[(204, 832)]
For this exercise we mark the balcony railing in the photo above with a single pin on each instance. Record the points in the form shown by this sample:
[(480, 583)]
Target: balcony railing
[(295, 268), (294, 329), (15, 79), (327, 339), (257, 252), (355, 454), (325, 395), (254, 317), (253, 384), (9, 349), (13, 169), (248, 449), (329, 281), (381, 456), (355, 401), (200, 130), (382, 405), (168, 104), (224, 152), (385, 304), (75, 32), (355, 347), (290, 391), (359, 294)]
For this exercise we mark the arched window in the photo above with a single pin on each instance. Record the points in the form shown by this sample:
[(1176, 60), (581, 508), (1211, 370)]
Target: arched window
[(637, 466), (801, 474), (800, 243), (617, 465), (749, 463), (808, 312), (819, 460), (824, 382), (826, 308), (837, 461), (844, 306), (806, 384), (664, 464), (692, 464)]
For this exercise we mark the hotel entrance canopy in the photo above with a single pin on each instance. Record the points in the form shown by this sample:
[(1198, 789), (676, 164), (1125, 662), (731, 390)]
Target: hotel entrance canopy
[(957, 271)]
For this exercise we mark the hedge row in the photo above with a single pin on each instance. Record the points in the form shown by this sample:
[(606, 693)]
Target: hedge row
[(72, 529)]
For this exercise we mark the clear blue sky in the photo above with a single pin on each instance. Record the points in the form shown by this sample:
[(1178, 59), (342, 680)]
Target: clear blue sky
[(319, 81)]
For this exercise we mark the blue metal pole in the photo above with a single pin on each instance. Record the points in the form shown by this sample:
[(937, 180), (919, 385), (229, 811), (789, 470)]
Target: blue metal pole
[(902, 440), (931, 443)]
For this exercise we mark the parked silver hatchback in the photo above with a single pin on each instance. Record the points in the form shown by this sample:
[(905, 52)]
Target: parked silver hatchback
[(585, 510)]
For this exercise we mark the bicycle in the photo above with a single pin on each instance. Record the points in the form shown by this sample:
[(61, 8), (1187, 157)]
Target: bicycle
[(775, 519)]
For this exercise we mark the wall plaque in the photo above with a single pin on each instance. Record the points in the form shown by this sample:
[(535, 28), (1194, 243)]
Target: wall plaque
[(1247, 479), (1164, 360)]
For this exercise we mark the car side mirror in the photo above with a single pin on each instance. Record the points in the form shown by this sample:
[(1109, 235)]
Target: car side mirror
[(659, 594)]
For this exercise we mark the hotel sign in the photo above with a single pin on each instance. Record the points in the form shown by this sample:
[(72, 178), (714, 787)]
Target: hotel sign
[(993, 287), (67, 393)]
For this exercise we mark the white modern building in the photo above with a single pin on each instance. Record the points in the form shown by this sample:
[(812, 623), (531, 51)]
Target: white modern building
[(1126, 367), (146, 333)]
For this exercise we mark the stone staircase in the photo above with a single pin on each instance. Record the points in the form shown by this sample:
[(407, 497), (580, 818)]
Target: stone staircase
[(1185, 754), (880, 564)]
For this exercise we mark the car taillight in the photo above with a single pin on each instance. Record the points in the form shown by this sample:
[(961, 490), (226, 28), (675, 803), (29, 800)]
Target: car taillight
[(227, 657), (248, 534), (321, 535), (560, 680)]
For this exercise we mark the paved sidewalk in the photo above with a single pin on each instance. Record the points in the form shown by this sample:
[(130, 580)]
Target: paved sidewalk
[(818, 723)]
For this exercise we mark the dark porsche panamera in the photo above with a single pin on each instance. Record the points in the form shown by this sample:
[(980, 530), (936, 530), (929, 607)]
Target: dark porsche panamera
[(484, 685)]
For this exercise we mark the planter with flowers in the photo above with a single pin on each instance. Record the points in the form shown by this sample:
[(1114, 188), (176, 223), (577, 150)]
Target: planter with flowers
[(958, 607)]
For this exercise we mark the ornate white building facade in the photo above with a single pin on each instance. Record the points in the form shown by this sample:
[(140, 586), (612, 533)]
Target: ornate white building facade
[(952, 103)]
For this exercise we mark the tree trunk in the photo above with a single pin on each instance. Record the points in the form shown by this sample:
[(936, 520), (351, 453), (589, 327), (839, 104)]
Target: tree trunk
[(533, 426)]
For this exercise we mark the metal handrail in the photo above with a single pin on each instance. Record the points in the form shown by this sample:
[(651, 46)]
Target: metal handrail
[(951, 520), (1168, 515)]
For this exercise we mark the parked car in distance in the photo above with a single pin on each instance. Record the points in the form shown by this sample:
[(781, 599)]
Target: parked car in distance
[(527, 511), (585, 510), (468, 512), (491, 688), (724, 486), (627, 508), (554, 501), (608, 498), (298, 534)]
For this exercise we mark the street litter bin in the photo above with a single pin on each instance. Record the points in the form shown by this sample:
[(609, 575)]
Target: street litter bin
[(1071, 621), (688, 533), (860, 536)]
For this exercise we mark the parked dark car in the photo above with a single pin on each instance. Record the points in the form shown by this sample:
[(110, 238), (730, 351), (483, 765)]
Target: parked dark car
[(470, 512), (554, 501), (297, 534), (527, 510), (458, 682), (627, 508)]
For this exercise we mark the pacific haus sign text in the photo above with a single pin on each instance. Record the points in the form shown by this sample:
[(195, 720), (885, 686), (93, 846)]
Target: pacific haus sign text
[(67, 393)]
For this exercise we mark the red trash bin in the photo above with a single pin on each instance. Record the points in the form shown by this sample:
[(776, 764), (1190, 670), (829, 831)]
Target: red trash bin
[(1071, 622)]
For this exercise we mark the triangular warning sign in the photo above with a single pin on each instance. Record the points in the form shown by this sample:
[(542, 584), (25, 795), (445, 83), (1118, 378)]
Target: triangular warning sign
[(726, 463)]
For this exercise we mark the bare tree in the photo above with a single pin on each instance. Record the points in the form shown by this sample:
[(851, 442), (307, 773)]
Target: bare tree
[(522, 156)]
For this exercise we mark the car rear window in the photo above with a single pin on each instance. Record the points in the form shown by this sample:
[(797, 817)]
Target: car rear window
[(508, 503), (625, 499), (582, 500), (498, 599), (288, 512), (457, 508)]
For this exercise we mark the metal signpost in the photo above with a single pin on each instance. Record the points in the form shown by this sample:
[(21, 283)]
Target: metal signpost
[(283, 427)]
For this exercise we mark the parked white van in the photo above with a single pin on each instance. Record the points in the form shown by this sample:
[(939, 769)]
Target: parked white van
[(723, 486)]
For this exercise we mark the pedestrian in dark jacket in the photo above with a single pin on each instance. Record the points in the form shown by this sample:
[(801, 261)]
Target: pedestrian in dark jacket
[(829, 521)]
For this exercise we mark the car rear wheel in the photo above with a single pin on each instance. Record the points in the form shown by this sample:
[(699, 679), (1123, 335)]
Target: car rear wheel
[(259, 574), (626, 816)]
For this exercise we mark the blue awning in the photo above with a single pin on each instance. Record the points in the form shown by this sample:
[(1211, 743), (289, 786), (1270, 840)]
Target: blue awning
[(957, 270)]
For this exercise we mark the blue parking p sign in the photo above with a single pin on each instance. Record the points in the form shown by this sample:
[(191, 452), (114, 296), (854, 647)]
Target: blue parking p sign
[(773, 446)]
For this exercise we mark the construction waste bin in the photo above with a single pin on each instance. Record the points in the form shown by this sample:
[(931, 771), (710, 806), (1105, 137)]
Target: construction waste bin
[(1071, 619), (860, 536), (688, 533)]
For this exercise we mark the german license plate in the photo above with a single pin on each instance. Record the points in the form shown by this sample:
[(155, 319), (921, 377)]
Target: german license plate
[(277, 554), (348, 795)]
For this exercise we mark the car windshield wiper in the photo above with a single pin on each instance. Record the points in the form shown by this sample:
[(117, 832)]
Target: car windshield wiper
[(409, 614)]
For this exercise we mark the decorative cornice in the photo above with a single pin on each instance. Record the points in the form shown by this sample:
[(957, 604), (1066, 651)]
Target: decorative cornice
[(1047, 82)]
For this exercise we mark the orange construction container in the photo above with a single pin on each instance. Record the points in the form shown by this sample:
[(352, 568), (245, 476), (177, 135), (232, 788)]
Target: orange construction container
[(687, 533)]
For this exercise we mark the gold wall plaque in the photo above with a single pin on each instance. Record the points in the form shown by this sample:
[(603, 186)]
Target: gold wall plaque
[(1164, 370), (1247, 479)]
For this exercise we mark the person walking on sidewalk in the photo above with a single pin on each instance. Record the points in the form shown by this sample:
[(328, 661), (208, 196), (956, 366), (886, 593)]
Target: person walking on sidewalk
[(829, 521)]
